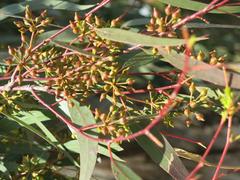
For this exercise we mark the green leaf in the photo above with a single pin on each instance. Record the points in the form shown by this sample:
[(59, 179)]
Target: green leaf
[(13, 9), (134, 38), (114, 146), (135, 22), (82, 116), (196, 6), (207, 26), (196, 158), (104, 151), (165, 157), (32, 117), (140, 59), (66, 36), (206, 72), (227, 99), (3, 169), (122, 172)]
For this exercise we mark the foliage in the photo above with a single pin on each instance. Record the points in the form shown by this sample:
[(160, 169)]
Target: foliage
[(73, 93)]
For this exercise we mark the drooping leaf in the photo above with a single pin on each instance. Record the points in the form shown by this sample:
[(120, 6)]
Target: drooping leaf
[(208, 26), (196, 158), (196, 6), (13, 9), (82, 116), (32, 117), (133, 38), (122, 172), (165, 157), (205, 72)]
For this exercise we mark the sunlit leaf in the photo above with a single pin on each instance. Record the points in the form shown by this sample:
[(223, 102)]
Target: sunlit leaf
[(134, 38), (204, 72)]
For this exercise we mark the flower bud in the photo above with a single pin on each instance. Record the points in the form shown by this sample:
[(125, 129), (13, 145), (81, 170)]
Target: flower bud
[(199, 117), (213, 60), (168, 10), (176, 15), (77, 18), (188, 122), (156, 13), (200, 56)]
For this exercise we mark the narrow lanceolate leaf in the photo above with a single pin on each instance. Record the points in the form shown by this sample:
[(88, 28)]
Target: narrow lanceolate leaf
[(165, 157), (133, 38), (82, 116), (13, 9), (196, 158), (122, 172), (196, 6), (204, 72), (208, 26)]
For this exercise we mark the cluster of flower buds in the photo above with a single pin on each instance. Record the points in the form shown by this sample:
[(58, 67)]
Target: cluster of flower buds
[(213, 58), (32, 24), (162, 25), (75, 75), (10, 102), (114, 122), (31, 167)]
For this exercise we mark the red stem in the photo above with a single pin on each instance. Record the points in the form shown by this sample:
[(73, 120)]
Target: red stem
[(227, 144), (182, 138), (211, 6), (209, 147), (103, 3)]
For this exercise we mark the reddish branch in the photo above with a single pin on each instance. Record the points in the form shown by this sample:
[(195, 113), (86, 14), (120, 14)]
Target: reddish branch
[(211, 6), (227, 144), (209, 147)]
